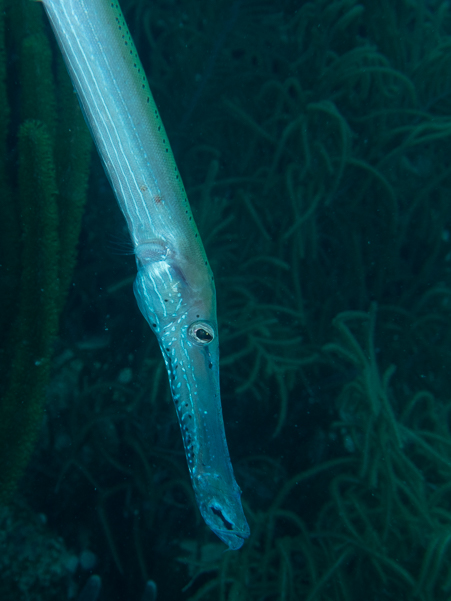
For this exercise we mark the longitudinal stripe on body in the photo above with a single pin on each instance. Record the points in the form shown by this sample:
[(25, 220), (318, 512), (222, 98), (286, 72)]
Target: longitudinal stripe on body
[(160, 298), (120, 160)]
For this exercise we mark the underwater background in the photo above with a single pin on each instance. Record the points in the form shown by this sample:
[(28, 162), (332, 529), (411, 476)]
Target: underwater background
[(314, 140)]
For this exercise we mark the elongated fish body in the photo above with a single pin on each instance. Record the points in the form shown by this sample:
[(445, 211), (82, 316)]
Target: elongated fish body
[(174, 286)]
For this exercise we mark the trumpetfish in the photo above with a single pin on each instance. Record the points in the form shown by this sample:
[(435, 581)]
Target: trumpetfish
[(174, 286)]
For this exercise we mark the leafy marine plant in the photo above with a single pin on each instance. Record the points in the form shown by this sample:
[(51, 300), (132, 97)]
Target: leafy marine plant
[(359, 140), (385, 525), (41, 210)]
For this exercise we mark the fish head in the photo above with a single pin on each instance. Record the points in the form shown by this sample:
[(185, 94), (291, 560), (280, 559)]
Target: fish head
[(180, 308), (182, 315)]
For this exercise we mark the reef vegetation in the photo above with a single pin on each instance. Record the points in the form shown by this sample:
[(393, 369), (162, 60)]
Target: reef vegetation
[(314, 141), (44, 167)]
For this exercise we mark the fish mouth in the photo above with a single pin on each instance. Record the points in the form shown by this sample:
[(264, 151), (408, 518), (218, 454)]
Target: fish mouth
[(234, 540), (219, 499), (232, 537)]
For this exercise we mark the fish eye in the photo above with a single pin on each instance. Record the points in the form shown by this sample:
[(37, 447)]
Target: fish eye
[(201, 333)]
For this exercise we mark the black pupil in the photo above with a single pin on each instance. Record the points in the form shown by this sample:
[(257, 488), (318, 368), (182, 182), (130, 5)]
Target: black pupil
[(203, 335)]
